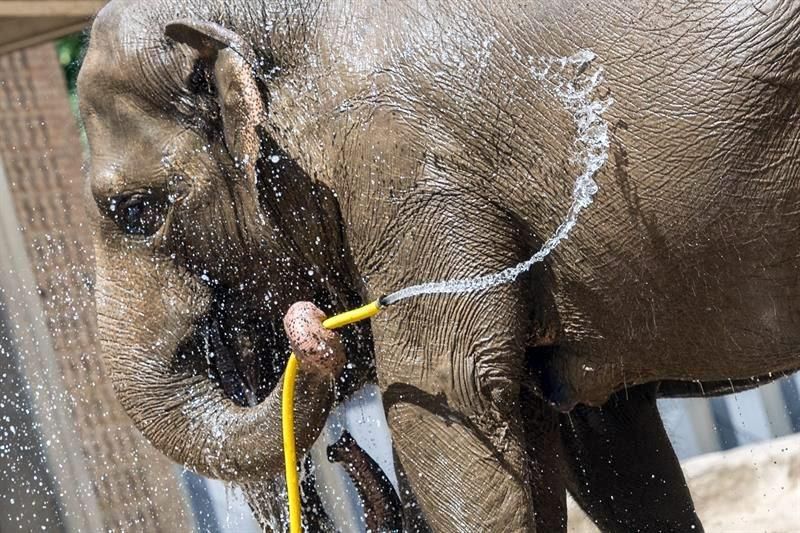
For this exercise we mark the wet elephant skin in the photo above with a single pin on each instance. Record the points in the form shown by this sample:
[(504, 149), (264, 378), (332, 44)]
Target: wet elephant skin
[(263, 153)]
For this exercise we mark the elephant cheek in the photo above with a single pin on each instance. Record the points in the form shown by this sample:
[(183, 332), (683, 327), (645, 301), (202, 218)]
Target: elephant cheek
[(145, 309), (220, 226)]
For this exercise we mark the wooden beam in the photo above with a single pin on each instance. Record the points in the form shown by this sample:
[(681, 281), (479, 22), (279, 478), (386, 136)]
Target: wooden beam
[(50, 8), (30, 38)]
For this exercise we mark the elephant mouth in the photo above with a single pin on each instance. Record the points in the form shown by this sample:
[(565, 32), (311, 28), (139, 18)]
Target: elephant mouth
[(246, 360), (242, 350)]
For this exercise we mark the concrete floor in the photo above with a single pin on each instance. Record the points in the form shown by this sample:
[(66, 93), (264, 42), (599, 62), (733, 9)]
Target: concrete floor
[(753, 488)]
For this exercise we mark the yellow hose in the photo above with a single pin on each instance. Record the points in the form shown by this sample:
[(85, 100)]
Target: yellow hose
[(287, 411), (289, 453)]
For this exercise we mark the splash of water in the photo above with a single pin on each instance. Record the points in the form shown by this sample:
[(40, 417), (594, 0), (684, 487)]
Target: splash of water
[(592, 141)]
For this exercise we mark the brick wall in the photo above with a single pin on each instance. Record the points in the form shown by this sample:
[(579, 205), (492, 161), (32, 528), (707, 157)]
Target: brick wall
[(136, 489)]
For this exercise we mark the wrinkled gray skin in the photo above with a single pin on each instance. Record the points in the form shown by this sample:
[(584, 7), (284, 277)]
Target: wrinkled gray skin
[(378, 144)]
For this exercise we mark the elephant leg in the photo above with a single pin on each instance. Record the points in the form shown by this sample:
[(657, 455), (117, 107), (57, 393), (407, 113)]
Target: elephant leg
[(621, 468), (461, 480), (450, 368), (383, 511), (413, 518)]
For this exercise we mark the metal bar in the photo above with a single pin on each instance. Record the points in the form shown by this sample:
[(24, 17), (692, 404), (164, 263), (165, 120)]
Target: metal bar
[(775, 409), (791, 398), (701, 419), (724, 425)]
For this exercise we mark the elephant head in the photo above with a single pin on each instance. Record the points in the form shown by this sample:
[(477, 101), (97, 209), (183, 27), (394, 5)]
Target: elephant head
[(205, 232)]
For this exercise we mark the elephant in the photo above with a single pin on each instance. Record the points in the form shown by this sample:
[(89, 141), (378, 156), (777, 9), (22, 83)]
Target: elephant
[(246, 155), (383, 509)]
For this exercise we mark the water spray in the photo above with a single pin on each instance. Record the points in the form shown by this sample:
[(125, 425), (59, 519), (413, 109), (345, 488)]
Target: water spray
[(592, 142)]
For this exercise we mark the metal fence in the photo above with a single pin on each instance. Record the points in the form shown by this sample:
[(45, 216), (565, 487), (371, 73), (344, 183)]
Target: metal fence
[(703, 425)]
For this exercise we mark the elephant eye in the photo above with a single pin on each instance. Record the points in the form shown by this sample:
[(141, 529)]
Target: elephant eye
[(139, 214)]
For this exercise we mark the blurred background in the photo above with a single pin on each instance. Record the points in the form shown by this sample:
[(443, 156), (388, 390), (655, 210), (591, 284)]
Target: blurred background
[(70, 459)]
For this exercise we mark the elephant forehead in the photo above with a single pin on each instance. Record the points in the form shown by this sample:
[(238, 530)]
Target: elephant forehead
[(135, 63), (130, 150), (148, 72)]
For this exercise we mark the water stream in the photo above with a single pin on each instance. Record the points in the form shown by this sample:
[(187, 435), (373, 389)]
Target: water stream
[(577, 94)]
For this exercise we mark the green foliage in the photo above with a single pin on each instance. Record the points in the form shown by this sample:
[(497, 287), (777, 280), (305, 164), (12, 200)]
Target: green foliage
[(70, 51), (70, 55)]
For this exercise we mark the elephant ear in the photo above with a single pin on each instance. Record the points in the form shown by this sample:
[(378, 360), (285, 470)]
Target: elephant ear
[(241, 106)]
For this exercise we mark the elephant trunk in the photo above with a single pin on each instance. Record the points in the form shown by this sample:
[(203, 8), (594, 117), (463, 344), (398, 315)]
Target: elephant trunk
[(188, 417), (160, 356)]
